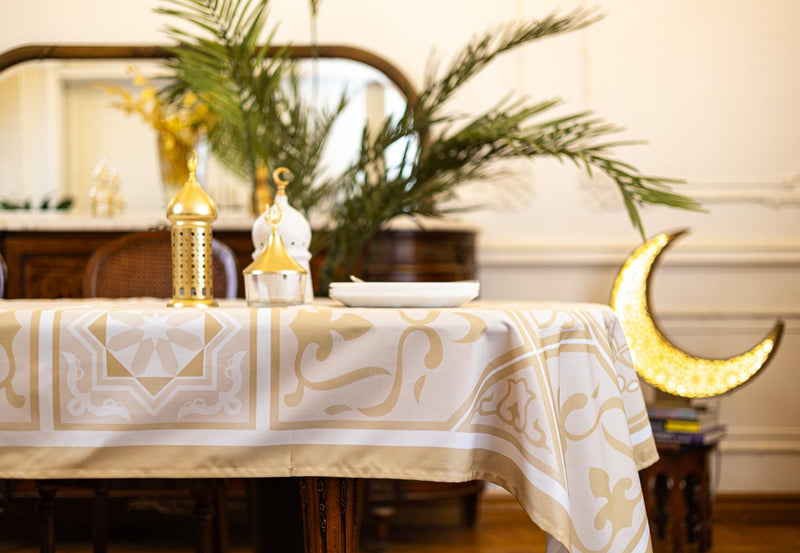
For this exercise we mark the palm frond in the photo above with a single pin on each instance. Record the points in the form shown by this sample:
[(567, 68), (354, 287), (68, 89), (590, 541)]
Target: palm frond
[(482, 50), (263, 119), (222, 60)]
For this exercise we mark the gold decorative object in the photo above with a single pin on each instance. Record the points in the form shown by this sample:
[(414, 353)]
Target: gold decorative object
[(180, 126), (274, 279), (261, 196), (105, 197), (657, 360), (191, 213), (295, 231)]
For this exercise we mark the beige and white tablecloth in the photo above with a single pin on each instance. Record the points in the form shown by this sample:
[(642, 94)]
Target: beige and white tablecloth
[(541, 399)]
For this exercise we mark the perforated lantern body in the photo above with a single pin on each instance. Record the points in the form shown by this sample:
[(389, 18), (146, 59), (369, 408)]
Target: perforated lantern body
[(192, 265), (191, 213)]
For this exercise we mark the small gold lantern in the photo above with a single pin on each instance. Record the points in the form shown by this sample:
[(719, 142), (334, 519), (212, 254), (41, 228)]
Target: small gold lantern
[(191, 213), (274, 279), (294, 228)]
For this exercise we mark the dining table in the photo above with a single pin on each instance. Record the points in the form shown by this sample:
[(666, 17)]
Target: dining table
[(541, 398)]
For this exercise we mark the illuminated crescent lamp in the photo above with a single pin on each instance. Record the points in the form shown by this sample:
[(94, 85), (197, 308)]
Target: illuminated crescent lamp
[(659, 362)]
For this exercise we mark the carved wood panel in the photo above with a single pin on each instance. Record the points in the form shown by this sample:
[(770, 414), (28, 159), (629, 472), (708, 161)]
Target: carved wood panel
[(678, 499), (48, 264)]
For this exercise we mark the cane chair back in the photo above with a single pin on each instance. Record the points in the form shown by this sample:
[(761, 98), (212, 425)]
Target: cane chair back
[(140, 264)]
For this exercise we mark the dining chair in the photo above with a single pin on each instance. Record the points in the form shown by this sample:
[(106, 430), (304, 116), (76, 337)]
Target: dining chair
[(140, 264)]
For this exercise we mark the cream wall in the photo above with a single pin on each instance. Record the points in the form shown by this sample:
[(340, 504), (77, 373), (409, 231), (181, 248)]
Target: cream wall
[(712, 85)]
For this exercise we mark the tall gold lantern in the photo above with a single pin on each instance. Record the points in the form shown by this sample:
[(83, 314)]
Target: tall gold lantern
[(191, 213)]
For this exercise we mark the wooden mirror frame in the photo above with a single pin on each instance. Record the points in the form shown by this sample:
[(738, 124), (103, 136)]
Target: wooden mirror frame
[(32, 52)]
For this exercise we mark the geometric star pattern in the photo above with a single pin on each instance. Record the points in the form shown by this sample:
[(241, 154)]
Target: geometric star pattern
[(154, 349)]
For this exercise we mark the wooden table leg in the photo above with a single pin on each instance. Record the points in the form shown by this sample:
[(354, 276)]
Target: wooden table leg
[(100, 517), (678, 498), (204, 516), (221, 516), (47, 527), (330, 514), (677, 514), (5, 500)]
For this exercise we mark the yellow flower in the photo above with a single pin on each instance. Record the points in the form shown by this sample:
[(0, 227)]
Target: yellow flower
[(169, 141), (177, 125), (182, 122), (148, 94), (138, 79), (190, 98)]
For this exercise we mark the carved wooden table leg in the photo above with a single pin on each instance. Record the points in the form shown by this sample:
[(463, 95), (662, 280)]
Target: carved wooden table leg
[(330, 514), (100, 517), (204, 516), (662, 486), (47, 528), (678, 498), (221, 516), (677, 510), (5, 500)]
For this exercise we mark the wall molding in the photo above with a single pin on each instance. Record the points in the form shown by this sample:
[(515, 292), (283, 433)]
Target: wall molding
[(761, 440), (774, 191), (728, 320), (541, 254)]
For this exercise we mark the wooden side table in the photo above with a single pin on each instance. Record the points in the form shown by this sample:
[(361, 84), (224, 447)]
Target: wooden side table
[(678, 499)]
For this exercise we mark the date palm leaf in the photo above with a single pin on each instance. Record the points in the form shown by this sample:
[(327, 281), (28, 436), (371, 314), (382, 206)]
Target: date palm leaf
[(454, 149)]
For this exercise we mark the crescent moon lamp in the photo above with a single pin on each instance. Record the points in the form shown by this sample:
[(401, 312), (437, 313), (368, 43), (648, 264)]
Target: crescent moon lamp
[(658, 361)]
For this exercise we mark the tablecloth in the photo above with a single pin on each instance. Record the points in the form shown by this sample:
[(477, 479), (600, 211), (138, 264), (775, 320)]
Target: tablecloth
[(541, 399)]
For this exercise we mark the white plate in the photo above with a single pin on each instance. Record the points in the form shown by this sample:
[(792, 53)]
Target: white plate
[(405, 294)]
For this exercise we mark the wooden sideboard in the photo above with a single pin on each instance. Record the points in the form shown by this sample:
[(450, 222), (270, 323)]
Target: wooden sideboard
[(51, 263)]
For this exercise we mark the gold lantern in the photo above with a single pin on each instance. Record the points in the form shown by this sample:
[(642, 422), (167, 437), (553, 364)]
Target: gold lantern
[(274, 278), (191, 213)]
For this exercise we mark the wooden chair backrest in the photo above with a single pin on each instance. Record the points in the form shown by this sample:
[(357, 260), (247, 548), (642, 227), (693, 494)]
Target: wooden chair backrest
[(140, 264)]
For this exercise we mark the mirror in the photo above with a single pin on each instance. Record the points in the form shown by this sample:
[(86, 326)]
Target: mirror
[(57, 121)]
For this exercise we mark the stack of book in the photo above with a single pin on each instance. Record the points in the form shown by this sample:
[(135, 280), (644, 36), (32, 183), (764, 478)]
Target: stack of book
[(685, 424)]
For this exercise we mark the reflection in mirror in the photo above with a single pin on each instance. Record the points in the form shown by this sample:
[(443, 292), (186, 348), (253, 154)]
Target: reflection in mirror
[(57, 121)]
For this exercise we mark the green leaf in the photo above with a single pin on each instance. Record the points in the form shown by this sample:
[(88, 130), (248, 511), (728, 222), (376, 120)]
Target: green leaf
[(262, 118)]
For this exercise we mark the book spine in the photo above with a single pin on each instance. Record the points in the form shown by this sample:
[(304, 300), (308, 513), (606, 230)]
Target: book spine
[(683, 438), (674, 425), (657, 425), (676, 413), (689, 438)]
